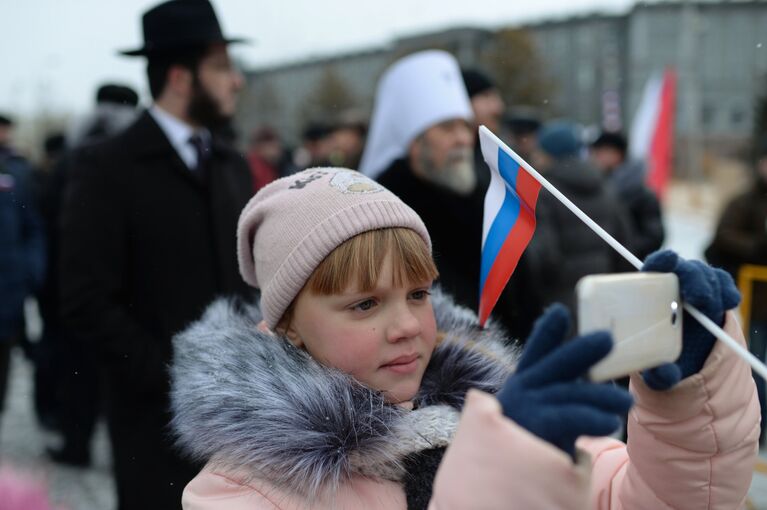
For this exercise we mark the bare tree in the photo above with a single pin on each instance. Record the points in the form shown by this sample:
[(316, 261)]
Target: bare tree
[(517, 67), (329, 98)]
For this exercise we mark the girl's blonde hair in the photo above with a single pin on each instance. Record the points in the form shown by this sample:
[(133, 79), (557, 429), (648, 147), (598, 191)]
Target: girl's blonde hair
[(357, 262)]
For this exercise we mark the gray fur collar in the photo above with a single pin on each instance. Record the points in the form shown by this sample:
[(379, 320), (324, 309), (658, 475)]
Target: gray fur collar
[(250, 403)]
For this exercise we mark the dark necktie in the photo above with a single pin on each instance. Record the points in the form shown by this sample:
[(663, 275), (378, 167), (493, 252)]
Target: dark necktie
[(203, 154)]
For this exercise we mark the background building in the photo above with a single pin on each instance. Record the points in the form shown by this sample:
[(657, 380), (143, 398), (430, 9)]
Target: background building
[(591, 68)]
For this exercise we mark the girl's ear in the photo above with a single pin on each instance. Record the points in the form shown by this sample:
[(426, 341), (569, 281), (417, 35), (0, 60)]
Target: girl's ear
[(285, 328), (293, 337)]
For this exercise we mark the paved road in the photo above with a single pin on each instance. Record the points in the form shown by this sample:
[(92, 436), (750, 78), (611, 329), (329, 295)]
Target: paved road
[(23, 443)]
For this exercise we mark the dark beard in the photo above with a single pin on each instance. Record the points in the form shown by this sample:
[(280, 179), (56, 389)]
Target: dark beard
[(204, 110)]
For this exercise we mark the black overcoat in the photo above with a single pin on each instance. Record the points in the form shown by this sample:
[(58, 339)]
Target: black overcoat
[(563, 248), (146, 245)]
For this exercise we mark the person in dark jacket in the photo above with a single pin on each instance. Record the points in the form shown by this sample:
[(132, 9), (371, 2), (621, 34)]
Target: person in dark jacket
[(22, 247), (487, 106), (523, 124), (626, 176), (741, 238), (148, 239), (315, 146), (67, 386), (347, 139), (46, 355), (267, 157), (115, 110), (563, 248)]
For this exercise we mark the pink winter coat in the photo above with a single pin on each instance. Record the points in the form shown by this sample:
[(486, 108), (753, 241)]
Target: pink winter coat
[(693, 447)]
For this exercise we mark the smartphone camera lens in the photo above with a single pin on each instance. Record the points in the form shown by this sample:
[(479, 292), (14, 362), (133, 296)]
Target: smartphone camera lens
[(674, 312)]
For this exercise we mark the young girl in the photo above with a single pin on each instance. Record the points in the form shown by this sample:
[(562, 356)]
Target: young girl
[(354, 377)]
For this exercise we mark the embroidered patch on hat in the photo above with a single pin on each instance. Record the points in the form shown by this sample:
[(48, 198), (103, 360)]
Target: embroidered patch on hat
[(354, 182), (306, 179)]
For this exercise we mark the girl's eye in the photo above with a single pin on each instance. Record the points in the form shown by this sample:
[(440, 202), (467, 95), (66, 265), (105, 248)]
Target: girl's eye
[(420, 295), (364, 306)]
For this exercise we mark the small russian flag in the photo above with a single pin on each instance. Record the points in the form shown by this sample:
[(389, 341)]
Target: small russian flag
[(509, 221)]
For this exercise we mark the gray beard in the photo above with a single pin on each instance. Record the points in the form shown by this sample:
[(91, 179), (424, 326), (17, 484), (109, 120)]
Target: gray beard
[(457, 174)]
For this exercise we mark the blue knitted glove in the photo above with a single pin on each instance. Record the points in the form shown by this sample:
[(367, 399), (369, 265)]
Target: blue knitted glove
[(547, 394), (708, 289)]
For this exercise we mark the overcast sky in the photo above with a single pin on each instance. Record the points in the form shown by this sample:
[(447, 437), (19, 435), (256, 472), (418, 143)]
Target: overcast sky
[(55, 52)]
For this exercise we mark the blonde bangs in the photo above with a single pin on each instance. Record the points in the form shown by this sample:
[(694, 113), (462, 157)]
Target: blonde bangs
[(357, 262)]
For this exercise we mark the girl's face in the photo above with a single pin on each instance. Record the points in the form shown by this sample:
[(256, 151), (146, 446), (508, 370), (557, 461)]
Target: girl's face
[(384, 338)]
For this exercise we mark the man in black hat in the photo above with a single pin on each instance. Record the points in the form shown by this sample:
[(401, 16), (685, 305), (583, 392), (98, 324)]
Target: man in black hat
[(148, 239)]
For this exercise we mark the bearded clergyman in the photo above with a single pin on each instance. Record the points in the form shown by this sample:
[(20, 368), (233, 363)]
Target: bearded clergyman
[(420, 146)]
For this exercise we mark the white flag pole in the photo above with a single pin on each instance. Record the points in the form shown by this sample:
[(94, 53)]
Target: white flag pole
[(707, 323), (566, 201), (730, 342)]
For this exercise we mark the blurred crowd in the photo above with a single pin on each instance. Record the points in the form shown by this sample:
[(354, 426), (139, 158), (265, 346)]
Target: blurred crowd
[(124, 231)]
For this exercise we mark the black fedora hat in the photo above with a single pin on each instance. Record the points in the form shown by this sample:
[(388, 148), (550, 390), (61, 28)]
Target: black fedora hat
[(179, 24)]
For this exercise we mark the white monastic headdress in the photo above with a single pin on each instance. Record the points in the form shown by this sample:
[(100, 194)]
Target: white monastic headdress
[(415, 93)]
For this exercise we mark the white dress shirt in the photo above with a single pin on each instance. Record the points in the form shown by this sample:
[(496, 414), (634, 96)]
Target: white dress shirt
[(178, 133)]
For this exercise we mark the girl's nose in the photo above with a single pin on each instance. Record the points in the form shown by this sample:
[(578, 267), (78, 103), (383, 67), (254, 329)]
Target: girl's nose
[(404, 326)]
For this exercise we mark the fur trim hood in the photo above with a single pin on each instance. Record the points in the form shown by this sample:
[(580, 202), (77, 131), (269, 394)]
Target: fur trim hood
[(250, 403)]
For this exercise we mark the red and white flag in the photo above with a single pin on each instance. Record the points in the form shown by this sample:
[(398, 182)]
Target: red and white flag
[(652, 132)]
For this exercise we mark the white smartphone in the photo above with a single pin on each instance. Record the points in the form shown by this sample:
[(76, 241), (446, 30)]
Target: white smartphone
[(641, 310)]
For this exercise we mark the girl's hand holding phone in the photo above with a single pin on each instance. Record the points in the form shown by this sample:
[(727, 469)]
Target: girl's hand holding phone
[(548, 394)]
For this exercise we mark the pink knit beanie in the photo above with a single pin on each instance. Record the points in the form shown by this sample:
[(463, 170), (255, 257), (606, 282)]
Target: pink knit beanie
[(292, 224)]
